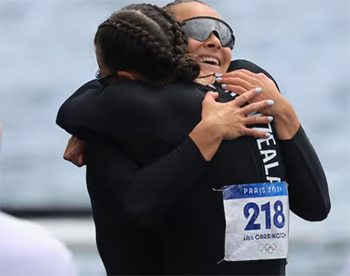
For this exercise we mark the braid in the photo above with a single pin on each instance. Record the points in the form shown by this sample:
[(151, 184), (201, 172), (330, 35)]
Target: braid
[(181, 41), (187, 68), (144, 38), (129, 29), (180, 38), (140, 34), (163, 52)]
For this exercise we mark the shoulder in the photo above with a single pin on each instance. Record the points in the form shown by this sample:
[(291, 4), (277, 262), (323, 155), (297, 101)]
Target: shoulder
[(131, 88), (250, 66), (92, 84), (131, 94)]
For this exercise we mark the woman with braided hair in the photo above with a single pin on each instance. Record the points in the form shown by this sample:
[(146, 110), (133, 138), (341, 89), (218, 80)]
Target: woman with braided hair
[(168, 161), (123, 38)]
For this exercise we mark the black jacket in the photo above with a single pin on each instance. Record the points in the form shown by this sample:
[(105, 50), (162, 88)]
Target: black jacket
[(151, 190)]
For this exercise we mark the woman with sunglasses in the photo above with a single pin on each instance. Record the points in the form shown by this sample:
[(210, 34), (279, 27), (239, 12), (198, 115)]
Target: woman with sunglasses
[(150, 183)]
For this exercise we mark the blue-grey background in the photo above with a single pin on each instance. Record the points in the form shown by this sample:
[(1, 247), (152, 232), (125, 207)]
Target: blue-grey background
[(46, 51)]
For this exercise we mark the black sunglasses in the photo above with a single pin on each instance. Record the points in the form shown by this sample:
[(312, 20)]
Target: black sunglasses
[(201, 28)]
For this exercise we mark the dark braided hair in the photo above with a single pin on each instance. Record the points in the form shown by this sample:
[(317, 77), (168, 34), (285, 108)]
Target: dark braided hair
[(169, 7), (145, 39)]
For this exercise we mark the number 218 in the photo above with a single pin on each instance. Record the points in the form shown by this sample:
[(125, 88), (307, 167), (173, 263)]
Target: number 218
[(278, 207)]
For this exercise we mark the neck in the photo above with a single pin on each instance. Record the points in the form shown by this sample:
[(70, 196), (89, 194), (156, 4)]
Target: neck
[(205, 79)]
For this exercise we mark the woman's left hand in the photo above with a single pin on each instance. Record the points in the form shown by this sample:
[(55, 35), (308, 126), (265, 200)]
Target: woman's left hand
[(285, 118)]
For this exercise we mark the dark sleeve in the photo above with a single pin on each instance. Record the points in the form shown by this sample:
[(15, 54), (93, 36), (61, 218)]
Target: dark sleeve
[(92, 84), (128, 110), (308, 188), (145, 195), (250, 66), (80, 115)]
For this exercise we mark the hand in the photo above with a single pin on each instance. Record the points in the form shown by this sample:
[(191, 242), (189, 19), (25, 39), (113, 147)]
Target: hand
[(75, 151), (285, 118), (229, 119), (241, 81)]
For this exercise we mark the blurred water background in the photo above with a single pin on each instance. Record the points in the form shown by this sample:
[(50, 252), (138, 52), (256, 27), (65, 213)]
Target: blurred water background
[(46, 51)]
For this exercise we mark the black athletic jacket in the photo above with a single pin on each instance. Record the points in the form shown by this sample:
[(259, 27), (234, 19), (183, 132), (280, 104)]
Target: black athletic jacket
[(151, 190)]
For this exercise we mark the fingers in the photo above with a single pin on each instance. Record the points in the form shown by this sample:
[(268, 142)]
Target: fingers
[(246, 97), (247, 73), (238, 81), (71, 156), (256, 120), (256, 133), (247, 76), (259, 76), (209, 99), (67, 155), (253, 107), (210, 96), (74, 151), (262, 75), (244, 78), (235, 88), (80, 161)]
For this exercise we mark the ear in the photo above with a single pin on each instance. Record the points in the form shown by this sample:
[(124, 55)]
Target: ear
[(126, 75)]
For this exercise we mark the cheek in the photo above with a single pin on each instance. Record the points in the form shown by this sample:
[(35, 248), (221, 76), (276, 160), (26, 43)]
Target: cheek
[(193, 45), (227, 58)]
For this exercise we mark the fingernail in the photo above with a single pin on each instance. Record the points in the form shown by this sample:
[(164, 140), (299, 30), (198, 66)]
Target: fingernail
[(268, 134), (270, 102), (218, 75), (258, 89), (270, 118), (223, 85), (218, 79)]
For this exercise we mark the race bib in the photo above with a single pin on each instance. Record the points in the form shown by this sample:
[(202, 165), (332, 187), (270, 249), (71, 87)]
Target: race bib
[(257, 221)]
